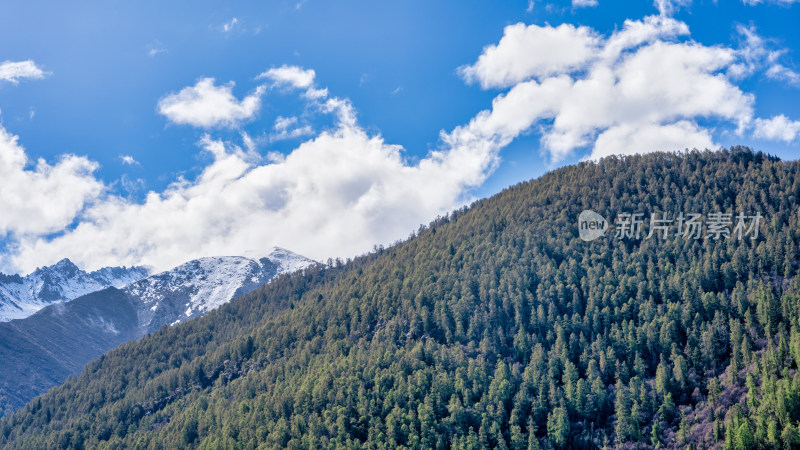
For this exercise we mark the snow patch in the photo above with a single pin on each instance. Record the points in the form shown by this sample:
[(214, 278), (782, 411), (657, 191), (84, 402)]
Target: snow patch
[(204, 284), (21, 297)]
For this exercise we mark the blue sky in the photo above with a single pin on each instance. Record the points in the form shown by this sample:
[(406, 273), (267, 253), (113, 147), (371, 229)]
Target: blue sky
[(200, 128)]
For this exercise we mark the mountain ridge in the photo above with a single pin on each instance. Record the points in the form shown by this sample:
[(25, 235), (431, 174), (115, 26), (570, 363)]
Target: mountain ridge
[(56, 341), (495, 326), (203, 284), (21, 296)]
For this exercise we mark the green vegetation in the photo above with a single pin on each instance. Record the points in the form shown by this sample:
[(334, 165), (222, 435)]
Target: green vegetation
[(493, 327)]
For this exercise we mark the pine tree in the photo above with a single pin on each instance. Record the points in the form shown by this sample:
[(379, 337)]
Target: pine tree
[(533, 441), (655, 434), (558, 427)]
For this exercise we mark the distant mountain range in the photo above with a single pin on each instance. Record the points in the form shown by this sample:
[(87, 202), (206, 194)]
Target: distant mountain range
[(40, 351), (22, 296)]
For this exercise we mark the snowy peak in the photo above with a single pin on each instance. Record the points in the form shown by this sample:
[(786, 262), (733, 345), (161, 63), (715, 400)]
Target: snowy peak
[(120, 276), (65, 266), (61, 281), (188, 290), (201, 285), (288, 261), (62, 337), (22, 296), (210, 278)]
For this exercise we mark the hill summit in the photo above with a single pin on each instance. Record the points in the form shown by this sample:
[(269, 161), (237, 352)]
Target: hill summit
[(496, 326)]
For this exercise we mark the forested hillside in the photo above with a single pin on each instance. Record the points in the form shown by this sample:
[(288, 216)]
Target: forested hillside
[(40, 351), (496, 326)]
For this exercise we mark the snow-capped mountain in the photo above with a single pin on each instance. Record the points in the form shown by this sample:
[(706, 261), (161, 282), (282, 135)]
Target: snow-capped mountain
[(40, 351), (22, 296), (200, 285)]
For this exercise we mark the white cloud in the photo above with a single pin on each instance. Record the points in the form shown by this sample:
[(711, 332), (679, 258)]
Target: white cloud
[(644, 87), (42, 198), (640, 89), (287, 128), (228, 26), (283, 123), (584, 3), (782, 73), (289, 75), (532, 51), (207, 105), (14, 71), (155, 47), (757, 53), (336, 194), (669, 7), (634, 33), (630, 138), (315, 94), (777, 128), (128, 160)]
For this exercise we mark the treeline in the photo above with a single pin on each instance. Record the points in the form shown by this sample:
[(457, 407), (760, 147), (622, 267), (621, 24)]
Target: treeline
[(495, 326)]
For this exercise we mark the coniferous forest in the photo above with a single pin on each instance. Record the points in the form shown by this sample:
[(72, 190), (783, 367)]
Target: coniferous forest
[(493, 327)]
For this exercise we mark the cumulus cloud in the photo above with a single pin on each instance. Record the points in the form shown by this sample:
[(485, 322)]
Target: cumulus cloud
[(292, 76), (14, 71), (531, 51), (207, 105), (336, 194), (630, 138), (644, 87), (41, 198), (777, 128), (647, 86)]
